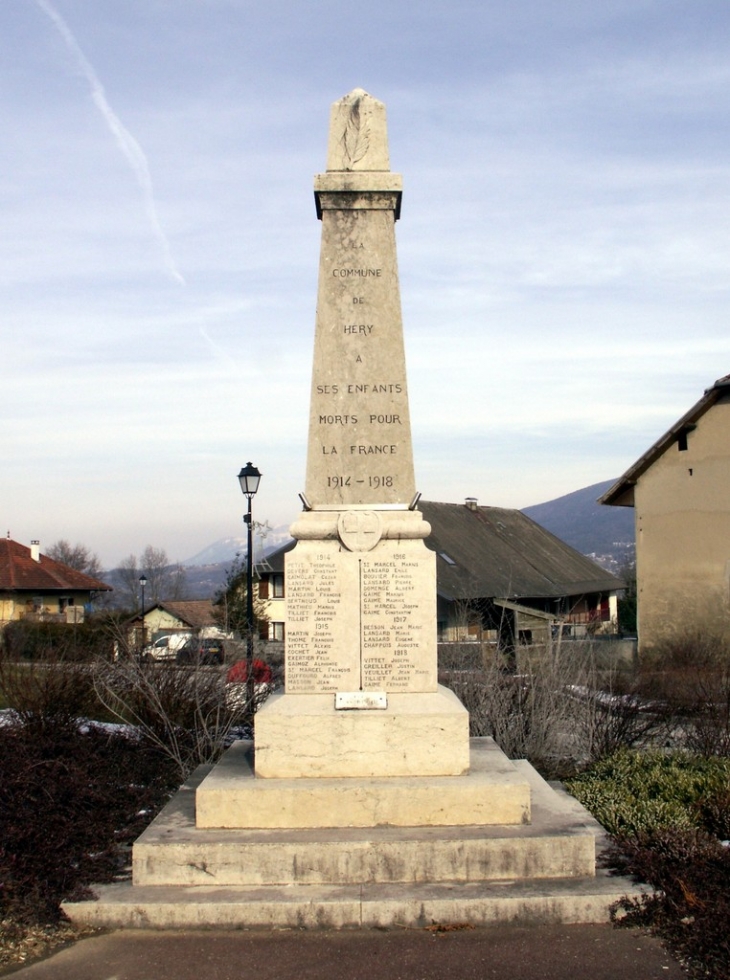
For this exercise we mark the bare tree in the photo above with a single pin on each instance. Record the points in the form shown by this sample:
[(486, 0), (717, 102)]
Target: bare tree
[(162, 577), (164, 580), (126, 583), (76, 556)]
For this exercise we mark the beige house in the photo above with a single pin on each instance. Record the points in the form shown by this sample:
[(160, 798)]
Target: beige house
[(500, 577), (168, 618), (38, 588), (680, 492)]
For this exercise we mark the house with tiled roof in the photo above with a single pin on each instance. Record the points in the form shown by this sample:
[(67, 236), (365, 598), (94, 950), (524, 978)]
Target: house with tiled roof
[(165, 618), (679, 491), (36, 587), (500, 577), (179, 615)]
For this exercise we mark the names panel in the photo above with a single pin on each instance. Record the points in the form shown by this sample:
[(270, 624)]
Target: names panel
[(397, 603), (321, 637), (360, 621)]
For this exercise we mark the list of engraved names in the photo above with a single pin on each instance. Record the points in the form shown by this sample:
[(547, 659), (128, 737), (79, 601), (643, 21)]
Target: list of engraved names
[(316, 657), (392, 629), (381, 646)]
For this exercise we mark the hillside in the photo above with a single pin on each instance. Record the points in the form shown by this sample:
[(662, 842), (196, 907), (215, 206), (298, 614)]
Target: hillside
[(604, 533)]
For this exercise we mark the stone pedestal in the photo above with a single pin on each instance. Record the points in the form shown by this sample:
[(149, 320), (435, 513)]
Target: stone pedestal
[(377, 876), (416, 735)]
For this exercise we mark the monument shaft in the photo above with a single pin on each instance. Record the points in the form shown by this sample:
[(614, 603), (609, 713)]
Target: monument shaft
[(362, 696), (359, 436)]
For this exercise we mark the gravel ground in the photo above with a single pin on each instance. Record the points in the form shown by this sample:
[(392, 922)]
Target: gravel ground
[(21, 945)]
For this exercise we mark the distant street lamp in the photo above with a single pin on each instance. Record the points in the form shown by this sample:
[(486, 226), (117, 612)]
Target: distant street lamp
[(249, 478), (142, 584)]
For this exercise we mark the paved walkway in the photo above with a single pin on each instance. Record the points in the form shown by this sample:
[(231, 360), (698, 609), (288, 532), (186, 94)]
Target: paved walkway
[(504, 952)]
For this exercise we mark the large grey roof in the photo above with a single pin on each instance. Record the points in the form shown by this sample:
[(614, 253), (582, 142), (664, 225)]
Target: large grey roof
[(497, 552), (494, 552)]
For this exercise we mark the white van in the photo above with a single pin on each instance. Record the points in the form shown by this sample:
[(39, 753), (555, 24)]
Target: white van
[(166, 647)]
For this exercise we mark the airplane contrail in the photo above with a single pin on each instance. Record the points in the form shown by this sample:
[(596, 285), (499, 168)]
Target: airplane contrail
[(125, 141), (219, 351)]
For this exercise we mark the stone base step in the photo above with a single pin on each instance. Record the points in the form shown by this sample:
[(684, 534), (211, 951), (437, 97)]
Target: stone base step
[(234, 795), (566, 901), (417, 734), (350, 877), (559, 843)]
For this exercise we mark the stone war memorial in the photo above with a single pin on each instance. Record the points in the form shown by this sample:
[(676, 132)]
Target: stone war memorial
[(364, 802)]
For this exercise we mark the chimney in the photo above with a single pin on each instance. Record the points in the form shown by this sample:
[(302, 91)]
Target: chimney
[(472, 503), (35, 550)]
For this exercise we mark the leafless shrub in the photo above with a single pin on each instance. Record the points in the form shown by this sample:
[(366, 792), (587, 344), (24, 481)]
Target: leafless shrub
[(460, 656), (47, 695), (690, 674), (614, 716), (558, 705), (183, 711)]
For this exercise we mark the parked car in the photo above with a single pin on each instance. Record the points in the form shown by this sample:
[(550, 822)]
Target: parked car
[(206, 650), (166, 647)]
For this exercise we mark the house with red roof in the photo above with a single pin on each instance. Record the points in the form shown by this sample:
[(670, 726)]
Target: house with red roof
[(36, 587)]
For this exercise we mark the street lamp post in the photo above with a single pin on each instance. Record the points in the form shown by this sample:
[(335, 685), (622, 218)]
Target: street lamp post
[(249, 478), (142, 584)]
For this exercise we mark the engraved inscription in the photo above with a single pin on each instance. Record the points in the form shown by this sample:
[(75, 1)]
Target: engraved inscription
[(359, 422), (392, 627), (357, 273), (361, 618), (314, 661)]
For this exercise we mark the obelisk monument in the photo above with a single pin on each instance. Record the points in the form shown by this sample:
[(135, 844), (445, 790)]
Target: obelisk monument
[(361, 802), (361, 695)]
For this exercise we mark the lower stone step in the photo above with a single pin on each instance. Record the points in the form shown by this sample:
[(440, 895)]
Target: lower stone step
[(554, 901)]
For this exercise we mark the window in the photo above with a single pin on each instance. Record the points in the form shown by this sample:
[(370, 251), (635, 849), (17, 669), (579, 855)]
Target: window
[(277, 586), (276, 632), (682, 437)]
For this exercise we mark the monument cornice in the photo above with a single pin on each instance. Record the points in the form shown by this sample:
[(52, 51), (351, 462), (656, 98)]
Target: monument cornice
[(361, 190), (396, 525), (358, 180)]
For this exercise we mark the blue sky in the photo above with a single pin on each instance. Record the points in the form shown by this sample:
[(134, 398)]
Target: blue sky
[(564, 246)]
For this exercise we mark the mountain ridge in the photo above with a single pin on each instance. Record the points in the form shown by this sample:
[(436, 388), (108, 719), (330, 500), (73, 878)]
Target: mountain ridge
[(605, 534)]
